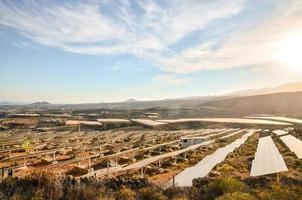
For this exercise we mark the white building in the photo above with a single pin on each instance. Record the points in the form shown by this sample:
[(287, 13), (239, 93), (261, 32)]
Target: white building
[(188, 141)]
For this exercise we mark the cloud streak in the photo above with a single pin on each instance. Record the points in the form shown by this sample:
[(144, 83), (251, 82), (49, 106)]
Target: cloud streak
[(250, 46), (149, 30), (112, 27)]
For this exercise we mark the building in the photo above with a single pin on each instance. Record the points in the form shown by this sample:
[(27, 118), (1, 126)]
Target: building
[(186, 142)]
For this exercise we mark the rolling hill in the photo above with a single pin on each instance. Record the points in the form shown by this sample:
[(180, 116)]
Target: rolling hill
[(291, 87), (287, 103)]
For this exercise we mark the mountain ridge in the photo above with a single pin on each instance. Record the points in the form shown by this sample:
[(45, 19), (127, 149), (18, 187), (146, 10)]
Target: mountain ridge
[(290, 87), (169, 103)]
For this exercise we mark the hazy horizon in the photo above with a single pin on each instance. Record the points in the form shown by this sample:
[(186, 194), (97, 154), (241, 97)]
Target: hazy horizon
[(110, 51), (292, 86)]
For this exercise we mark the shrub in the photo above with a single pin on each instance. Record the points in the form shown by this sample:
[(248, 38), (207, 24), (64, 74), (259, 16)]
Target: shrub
[(150, 193), (226, 184), (15, 188), (7, 187), (38, 195), (220, 186), (226, 169), (125, 194), (277, 192), (51, 185), (236, 196), (176, 193)]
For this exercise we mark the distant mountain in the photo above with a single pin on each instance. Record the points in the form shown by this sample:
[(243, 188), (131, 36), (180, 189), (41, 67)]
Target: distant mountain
[(280, 100), (130, 100), (190, 98), (2, 103), (41, 103), (291, 87), (287, 103), (129, 104)]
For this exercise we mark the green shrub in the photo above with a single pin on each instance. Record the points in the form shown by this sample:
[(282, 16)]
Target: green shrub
[(226, 184), (236, 196), (226, 169), (220, 186)]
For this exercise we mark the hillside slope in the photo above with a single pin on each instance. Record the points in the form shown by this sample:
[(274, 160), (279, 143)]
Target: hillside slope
[(279, 104), (290, 87)]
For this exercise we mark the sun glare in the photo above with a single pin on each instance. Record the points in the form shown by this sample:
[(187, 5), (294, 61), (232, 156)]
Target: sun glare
[(289, 51)]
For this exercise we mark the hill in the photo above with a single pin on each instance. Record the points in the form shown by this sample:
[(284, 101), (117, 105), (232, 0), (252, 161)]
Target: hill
[(281, 103), (291, 87), (288, 103)]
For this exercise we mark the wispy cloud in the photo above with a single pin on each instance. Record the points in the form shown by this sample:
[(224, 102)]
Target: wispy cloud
[(57, 26), (112, 27), (250, 46), (149, 29)]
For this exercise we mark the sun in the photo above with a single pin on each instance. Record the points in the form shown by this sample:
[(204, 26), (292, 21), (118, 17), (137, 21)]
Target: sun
[(289, 51)]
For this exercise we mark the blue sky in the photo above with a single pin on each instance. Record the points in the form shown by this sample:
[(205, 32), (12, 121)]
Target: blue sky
[(101, 51)]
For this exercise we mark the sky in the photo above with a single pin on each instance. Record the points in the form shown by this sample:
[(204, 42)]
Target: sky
[(69, 51)]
